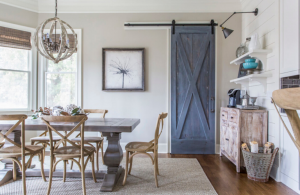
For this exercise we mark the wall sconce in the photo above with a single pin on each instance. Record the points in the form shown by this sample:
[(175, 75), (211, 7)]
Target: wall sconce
[(227, 31)]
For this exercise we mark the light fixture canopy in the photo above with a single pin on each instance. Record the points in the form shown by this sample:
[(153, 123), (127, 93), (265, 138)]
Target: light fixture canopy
[(53, 45), (227, 31)]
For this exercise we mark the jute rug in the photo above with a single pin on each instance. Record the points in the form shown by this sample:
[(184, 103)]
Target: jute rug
[(177, 176)]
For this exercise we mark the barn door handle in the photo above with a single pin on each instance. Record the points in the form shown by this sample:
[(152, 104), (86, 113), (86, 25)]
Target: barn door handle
[(212, 104)]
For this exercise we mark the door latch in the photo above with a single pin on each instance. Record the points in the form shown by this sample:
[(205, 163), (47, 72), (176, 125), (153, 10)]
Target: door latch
[(212, 100)]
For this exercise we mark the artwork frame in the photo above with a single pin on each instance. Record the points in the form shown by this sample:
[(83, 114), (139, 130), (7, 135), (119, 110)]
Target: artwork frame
[(121, 67)]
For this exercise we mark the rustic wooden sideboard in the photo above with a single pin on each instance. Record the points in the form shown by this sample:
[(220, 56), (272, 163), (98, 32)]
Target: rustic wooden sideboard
[(241, 126)]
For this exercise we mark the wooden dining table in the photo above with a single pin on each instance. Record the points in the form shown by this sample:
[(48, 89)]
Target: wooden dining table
[(111, 128)]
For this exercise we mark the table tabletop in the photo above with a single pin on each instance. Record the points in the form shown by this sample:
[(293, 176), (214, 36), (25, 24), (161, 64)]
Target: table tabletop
[(92, 124)]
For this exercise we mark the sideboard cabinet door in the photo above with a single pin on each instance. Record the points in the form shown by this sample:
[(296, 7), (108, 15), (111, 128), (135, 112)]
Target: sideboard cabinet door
[(238, 126)]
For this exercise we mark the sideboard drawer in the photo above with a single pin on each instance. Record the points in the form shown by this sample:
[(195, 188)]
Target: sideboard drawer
[(233, 116), (224, 115)]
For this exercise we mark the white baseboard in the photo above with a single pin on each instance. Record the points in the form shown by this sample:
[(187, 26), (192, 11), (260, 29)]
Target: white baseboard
[(289, 182), (217, 149)]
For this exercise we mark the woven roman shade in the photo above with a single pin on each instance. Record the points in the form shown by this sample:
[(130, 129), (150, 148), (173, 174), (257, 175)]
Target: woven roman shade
[(15, 38), (71, 40)]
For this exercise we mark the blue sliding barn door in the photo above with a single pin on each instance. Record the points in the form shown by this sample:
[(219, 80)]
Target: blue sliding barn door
[(193, 91)]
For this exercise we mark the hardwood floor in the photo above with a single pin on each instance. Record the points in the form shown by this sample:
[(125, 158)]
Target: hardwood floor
[(226, 181)]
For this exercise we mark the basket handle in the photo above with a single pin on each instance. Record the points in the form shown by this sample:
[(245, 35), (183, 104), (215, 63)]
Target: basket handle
[(272, 159)]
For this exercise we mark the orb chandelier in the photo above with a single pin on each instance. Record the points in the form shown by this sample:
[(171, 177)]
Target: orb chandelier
[(55, 45)]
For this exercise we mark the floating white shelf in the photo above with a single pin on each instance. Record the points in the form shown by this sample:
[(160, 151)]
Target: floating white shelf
[(244, 81), (260, 54)]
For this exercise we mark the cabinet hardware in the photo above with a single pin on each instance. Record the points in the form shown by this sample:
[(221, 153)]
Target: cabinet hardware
[(212, 104), (227, 139)]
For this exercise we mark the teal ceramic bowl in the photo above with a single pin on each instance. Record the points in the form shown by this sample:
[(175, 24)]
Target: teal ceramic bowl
[(250, 65), (250, 60)]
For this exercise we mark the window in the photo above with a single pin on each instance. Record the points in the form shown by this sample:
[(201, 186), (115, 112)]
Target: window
[(18, 62), (61, 82), (15, 73)]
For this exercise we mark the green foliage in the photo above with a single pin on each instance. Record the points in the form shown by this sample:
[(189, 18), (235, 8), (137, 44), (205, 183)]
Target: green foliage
[(61, 82), (35, 116), (13, 85), (76, 111)]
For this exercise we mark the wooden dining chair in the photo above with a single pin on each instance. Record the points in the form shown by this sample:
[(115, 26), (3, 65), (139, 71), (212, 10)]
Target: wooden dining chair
[(65, 153), (134, 148), (19, 150), (44, 140), (98, 141)]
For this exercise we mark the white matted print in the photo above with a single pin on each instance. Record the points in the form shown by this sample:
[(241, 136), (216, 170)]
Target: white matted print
[(123, 69)]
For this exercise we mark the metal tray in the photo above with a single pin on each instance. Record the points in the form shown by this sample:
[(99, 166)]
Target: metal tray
[(247, 107)]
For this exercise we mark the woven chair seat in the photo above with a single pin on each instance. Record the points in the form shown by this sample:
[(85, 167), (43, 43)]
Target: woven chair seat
[(139, 146), (88, 139), (45, 139), (15, 151), (1, 144), (72, 151)]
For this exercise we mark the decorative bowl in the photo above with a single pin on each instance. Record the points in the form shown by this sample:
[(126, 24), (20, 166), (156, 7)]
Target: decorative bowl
[(250, 60), (250, 65)]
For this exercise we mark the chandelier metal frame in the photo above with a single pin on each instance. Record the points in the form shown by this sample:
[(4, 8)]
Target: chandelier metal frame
[(48, 47)]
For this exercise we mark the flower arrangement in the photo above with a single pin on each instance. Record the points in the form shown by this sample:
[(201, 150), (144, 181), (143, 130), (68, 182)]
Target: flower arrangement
[(69, 110)]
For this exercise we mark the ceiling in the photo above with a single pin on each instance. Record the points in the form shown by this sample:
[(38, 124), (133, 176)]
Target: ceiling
[(127, 6)]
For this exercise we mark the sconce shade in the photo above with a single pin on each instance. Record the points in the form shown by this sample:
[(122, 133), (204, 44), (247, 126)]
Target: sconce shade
[(226, 32)]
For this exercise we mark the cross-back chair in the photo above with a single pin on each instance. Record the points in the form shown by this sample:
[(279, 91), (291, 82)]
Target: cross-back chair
[(19, 150), (44, 140), (65, 153), (98, 141), (134, 148)]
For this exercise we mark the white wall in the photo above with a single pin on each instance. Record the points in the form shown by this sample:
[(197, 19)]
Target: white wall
[(266, 24), (107, 30), (289, 66), (18, 16)]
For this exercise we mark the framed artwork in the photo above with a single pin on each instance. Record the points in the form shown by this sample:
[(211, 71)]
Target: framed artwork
[(123, 69)]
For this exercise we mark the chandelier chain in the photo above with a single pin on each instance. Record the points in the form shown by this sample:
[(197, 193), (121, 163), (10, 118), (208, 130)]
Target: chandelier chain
[(55, 8)]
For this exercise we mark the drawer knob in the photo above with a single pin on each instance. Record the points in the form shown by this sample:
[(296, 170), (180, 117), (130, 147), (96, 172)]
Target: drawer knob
[(231, 117), (222, 114), (227, 139)]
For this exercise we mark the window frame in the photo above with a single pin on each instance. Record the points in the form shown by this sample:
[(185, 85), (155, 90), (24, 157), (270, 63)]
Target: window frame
[(32, 73), (43, 63)]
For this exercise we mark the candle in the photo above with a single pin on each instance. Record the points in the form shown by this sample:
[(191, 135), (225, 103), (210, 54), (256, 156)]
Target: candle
[(254, 147), (44, 37), (47, 35)]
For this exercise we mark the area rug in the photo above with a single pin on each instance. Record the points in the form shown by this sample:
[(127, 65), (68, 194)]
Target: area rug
[(177, 176)]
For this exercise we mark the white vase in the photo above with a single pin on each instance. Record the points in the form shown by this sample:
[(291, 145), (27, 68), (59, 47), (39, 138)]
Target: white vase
[(254, 43)]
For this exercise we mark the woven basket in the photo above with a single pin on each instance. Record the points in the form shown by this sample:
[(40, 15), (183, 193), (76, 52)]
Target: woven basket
[(259, 165)]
